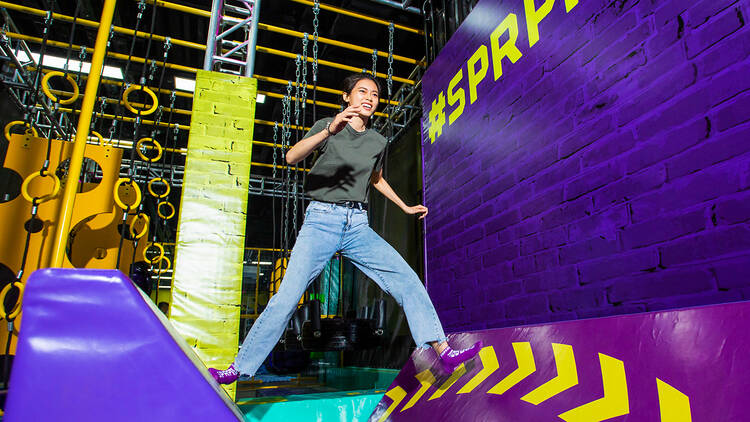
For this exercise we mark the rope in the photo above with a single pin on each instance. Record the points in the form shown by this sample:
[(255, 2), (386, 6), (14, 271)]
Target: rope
[(67, 57), (123, 88)]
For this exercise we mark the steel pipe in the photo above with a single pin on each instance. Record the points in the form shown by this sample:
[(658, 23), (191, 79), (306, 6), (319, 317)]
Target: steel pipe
[(401, 6), (360, 16), (65, 214)]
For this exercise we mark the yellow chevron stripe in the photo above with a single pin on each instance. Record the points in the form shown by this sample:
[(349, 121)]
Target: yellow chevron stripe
[(426, 379), (489, 365), (458, 373), (615, 400), (526, 367), (674, 406), (567, 376), (396, 394)]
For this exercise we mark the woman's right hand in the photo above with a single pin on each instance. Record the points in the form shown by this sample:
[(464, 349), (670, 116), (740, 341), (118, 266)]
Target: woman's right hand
[(341, 119)]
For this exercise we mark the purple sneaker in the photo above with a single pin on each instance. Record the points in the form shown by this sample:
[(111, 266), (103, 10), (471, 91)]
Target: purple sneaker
[(452, 358), (225, 376)]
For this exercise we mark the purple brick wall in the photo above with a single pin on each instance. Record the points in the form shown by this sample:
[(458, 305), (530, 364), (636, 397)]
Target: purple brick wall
[(606, 171)]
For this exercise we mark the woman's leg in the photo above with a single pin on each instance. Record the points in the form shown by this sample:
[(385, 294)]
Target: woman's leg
[(384, 265), (379, 261), (316, 243)]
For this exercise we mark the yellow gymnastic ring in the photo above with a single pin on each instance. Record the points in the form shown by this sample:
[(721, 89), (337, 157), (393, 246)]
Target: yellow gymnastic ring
[(32, 176), (148, 91), (151, 187), (141, 233), (118, 200), (51, 96), (99, 138), (16, 123), (161, 270), (17, 308), (161, 253), (157, 145), (171, 208)]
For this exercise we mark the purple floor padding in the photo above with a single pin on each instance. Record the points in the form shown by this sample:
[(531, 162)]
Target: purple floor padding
[(93, 348), (681, 365)]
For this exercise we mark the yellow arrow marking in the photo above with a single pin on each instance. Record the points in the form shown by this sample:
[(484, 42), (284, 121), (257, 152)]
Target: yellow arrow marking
[(615, 400), (396, 394), (427, 379), (526, 367), (489, 365), (567, 376), (458, 373), (674, 406)]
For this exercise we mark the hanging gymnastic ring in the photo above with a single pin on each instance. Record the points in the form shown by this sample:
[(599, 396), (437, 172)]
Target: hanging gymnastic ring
[(16, 123), (161, 270), (51, 96), (140, 234), (118, 200), (147, 90), (151, 187), (17, 307), (32, 176), (171, 208), (98, 137), (161, 253), (157, 145)]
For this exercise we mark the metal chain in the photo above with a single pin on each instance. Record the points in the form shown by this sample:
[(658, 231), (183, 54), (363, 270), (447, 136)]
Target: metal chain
[(374, 62), (294, 192), (390, 59), (95, 117), (275, 149), (298, 63), (81, 59), (31, 117), (303, 100), (288, 115), (316, 23), (285, 135)]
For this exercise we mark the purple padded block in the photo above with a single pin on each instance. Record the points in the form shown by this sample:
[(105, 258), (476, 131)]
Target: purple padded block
[(681, 365), (92, 347)]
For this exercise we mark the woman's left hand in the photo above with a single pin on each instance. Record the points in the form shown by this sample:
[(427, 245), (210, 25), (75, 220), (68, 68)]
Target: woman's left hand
[(417, 209)]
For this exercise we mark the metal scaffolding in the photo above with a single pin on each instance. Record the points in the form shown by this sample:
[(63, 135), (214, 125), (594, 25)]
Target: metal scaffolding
[(225, 55)]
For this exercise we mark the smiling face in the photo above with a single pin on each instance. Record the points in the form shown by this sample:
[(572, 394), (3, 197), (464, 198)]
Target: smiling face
[(365, 94)]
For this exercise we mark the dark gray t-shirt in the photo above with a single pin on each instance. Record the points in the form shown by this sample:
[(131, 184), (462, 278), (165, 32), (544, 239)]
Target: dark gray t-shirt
[(346, 162)]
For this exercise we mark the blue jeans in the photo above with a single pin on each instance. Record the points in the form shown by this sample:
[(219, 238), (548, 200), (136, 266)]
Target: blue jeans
[(330, 228)]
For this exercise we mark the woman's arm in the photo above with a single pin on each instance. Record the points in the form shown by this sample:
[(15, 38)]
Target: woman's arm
[(383, 187), (303, 148)]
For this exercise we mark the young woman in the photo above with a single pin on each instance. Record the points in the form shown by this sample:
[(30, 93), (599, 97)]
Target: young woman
[(336, 220)]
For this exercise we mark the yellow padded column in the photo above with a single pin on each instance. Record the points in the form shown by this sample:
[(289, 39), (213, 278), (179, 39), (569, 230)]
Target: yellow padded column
[(207, 280)]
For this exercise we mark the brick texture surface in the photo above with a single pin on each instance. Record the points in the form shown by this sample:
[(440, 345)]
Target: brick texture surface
[(606, 172)]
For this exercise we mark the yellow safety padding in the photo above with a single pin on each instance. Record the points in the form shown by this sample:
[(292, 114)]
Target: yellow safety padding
[(136, 189), (17, 123), (151, 187), (43, 198), (161, 253), (146, 221), (51, 96), (147, 90), (157, 145), (171, 210), (17, 307)]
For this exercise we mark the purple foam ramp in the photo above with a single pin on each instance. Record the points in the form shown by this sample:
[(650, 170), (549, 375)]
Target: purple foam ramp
[(92, 347), (681, 365)]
